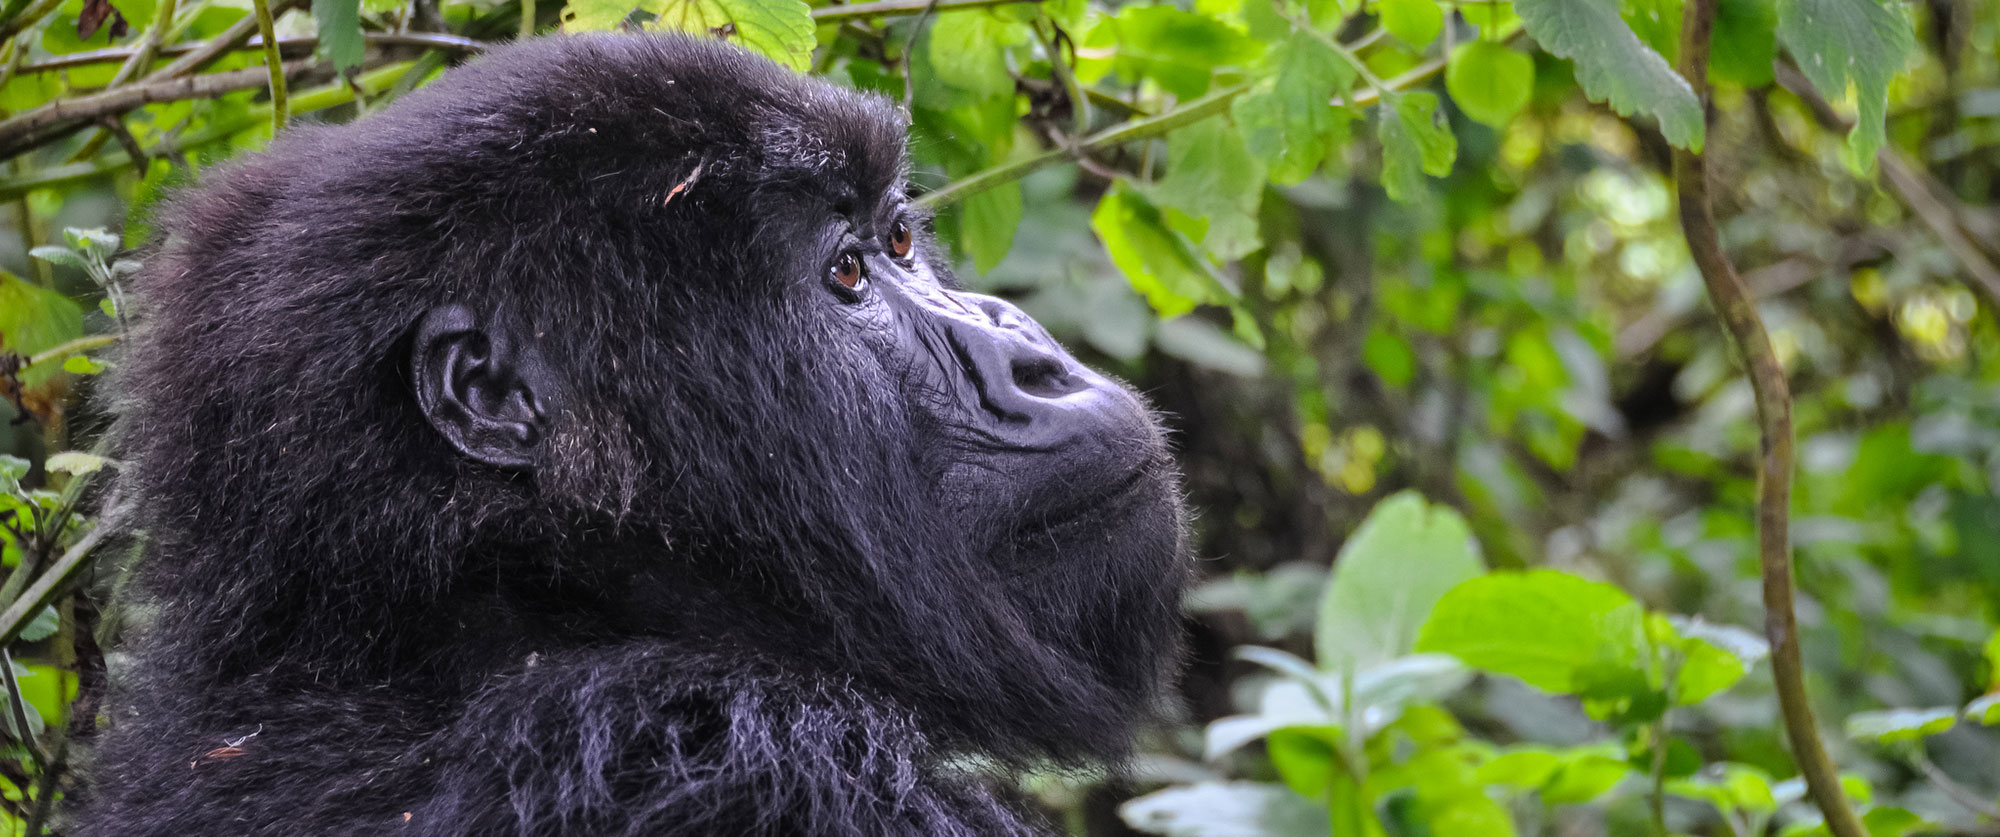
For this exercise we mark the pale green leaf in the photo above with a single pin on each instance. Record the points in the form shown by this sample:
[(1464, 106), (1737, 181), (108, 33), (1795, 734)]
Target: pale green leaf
[(968, 50), (987, 222), (1416, 22), (1158, 262), (1490, 82), (76, 463), (82, 365), (1415, 141), (1288, 120), (1849, 42), (1557, 632), (56, 254), (1218, 809), (1984, 710), (781, 30), (1614, 66), (1891, 725), (1386, 579), (41, 627), (1212, 177), (1178, 49)]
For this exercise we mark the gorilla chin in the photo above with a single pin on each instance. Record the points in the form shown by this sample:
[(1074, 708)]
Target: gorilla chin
[(597, 442)]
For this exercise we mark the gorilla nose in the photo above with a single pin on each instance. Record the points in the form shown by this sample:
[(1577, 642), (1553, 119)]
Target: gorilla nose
[(1038, 366), (1046, 398)]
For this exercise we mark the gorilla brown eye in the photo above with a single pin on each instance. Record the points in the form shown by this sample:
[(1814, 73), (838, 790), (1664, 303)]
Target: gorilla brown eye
[(899, 240), (847, 270)]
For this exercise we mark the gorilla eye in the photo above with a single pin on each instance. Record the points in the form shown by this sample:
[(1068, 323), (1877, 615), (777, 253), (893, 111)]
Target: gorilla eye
[(847, 270), (899, 240)]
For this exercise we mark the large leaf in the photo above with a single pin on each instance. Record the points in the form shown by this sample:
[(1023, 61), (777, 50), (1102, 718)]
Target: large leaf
[(969, 50), (1178, 49), (987, 222), (1558, 632), (779, 29), (1415, 142), (1614, 66), (1388, 575), (1212, 177), (1891, 725), (1226, 809), (1490, 82), (33, 319), (1843, 42), (1287, 120), (1159, 262)]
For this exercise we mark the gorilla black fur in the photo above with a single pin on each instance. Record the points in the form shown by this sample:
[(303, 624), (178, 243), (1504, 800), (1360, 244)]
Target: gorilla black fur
[(779, 557)]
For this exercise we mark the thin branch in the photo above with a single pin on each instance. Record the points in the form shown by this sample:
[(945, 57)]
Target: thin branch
[(1139, 129), (20, 132), (371, 83), (1774, 425), (51, 582), (273, 63), (18, 710), (294, 47), (67, 348), (895, 8), (213, 48), (1967, 798), (19, 23)]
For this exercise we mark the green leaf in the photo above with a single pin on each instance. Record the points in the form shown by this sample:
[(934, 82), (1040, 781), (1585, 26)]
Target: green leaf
[(339, 24), (1984, 710), (1178, 49), (1390, 357), (1990, 652), (56, 254), (1892, 725), (1208, 809), (987, 222), (1212, 177), (1583, 778), (33, 319), (82, 365), (1745, 42), (968, 50), (41, 627), (1490, 82), (1386, 579), (1414, 139), (1158, 262), (1714, 657), (1288, 120), (1843, 42), (781, 30), (1558, 632), (1614, 66), (1416, 22), (76, 463)]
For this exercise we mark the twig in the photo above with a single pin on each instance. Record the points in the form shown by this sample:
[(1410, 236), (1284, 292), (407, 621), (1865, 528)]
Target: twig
[(19, 23), (1966, 798), (67, 348), (1774, 424), (290, 46), (273, 62), (891, 8), (1138, 129), (213, 48), (50, 583), (20, 132), (18, 708), (1912, 185)]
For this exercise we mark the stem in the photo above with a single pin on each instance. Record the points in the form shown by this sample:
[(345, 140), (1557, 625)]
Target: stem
[(1966, 798), (1774, 424), (267, 30), (889, 8), (31, 128), (527, 19), (18, 708), (67, 348), (49, 584), (163, 17), (19, 23), (295, 46), (1346, 53)]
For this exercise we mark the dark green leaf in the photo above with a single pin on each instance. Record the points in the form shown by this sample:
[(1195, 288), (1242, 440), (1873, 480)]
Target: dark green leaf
[(1614, 66), (1849, 42), (1415, 141), (1288, 120), (339, 24)]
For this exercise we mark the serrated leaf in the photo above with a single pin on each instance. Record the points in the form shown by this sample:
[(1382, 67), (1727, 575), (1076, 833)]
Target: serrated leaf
[(1288, 120), (1386, 579), (1490, 82), (1159, 263), (1415, 141), (781, 30), (1178, 49), (1614, 66), (339, 23), (1843, 42), (1416, 22), (987, 222), (968, 50), (1892, 725), (55, 254), (1212, 177), (1555, 631)]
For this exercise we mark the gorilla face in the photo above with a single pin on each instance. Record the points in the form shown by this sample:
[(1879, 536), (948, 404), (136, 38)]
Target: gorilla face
[(612, 340)]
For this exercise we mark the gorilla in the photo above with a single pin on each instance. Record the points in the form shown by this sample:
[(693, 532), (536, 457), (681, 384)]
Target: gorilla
[(596, 442)]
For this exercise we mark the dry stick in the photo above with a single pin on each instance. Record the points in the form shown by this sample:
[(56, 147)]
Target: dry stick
[(295, 46), (273, 62), (1912, 185), (21, 130), (1774, 425)]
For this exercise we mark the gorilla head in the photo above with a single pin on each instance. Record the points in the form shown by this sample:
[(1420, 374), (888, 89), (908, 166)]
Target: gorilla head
[(595, 441)]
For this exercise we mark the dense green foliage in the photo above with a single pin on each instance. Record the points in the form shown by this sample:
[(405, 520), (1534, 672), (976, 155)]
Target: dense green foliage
[(1409, 278)]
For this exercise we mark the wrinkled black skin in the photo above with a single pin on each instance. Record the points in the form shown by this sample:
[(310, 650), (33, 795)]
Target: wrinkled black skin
[(504, 476)]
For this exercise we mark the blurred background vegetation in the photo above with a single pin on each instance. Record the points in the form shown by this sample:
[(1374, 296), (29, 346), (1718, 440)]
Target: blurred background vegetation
[(1410, 262)]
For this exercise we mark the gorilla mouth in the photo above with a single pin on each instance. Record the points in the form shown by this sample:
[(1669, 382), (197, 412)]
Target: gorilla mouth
[(1093, 509)]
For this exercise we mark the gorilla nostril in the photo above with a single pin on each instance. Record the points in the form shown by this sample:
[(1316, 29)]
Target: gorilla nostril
[(1042, 377)]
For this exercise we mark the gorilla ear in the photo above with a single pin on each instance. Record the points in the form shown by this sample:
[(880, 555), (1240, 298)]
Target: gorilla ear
[(481, 386)]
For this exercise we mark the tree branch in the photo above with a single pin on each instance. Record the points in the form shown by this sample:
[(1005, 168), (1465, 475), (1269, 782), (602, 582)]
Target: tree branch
[(19, 133), (295, 47), (1185, 114), (1774, 425), (274, 64), (894, 8)]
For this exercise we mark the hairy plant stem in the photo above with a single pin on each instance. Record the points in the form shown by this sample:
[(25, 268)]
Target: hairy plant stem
[(1738, 310), (893, 8), (268, 30)]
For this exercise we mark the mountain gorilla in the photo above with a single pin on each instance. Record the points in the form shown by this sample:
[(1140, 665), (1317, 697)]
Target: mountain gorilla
[(595, 442)]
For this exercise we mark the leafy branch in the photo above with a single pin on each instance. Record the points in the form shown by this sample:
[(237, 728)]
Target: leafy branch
[(1772, 392)]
